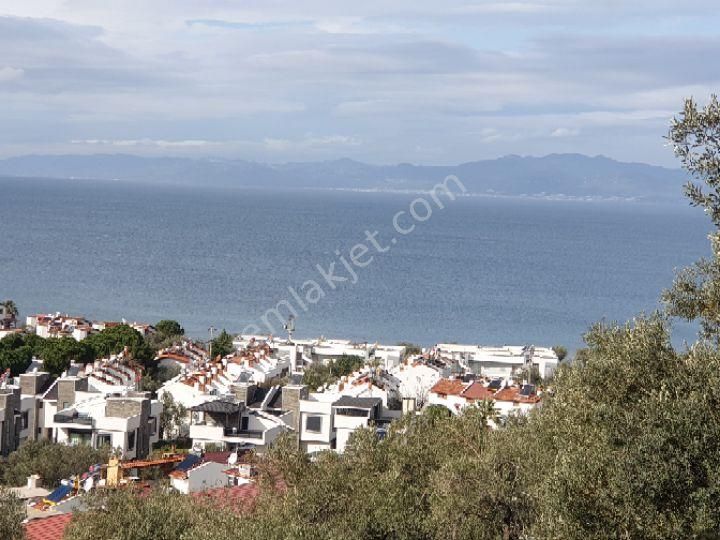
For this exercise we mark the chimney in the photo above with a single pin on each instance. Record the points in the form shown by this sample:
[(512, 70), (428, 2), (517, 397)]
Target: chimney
[(33, 481), (244, 392)]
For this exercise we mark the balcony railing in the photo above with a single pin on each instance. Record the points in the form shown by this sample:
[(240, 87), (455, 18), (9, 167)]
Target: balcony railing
[(244, 433), (72, 419)]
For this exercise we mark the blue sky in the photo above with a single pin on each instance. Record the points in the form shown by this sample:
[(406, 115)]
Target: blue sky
[(384, 82)]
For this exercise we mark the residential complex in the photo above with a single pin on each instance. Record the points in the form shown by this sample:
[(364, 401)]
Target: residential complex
[(232, 407)]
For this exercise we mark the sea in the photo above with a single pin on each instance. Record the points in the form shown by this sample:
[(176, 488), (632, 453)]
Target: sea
[(483, 270)]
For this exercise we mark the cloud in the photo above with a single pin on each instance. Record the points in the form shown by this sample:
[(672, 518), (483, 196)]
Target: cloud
[(309, 142), (8, 73), (565, 132), (144, 142), (458, 80)]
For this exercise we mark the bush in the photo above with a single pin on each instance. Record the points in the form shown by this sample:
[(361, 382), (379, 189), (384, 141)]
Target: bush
[(52, 461)]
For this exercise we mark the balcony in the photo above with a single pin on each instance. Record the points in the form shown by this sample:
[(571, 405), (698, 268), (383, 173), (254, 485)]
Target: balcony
[(72, 418), (243, 433)]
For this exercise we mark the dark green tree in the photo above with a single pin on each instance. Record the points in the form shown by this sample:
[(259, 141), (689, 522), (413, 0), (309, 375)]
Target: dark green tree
[(115, 339), (168, 328), (16, 360), (57, 353), (17, 351), (222, 345), (560, 351)]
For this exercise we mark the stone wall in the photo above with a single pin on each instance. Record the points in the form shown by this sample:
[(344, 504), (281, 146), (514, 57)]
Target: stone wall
[(244, 392), (122, 407), (291, 396), (32, 383), (9, 403)]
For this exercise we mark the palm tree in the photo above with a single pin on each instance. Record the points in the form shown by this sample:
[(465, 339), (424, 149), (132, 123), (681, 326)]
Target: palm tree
[(11, 313)]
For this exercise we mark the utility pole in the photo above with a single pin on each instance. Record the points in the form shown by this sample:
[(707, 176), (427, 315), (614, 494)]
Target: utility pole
[(290, 327), (212, 330)]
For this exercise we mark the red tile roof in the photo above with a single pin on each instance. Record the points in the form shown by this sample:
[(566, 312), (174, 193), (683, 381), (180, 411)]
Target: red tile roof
[(50, 528), (216, 457), (448, 387), (240, 499), (513, 394), (477, 391)]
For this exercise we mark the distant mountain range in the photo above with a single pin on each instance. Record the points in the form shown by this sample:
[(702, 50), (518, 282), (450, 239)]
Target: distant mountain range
[(557, 175)]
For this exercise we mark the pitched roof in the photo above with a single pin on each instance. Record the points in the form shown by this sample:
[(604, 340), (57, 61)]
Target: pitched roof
[(358, 402), (217, 406), (477, 391), (448, 387), (216, 457), (240, 499), (51, 528), (513, 394)]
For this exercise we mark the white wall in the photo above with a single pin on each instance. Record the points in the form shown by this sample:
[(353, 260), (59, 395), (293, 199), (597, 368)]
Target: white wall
[(206, 476)]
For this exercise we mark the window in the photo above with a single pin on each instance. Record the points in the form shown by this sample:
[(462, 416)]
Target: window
[(102, 440), (314, 424), (78, 438), (25, 419), (152, 424), (131, 441), (244, 423), (351, 411)]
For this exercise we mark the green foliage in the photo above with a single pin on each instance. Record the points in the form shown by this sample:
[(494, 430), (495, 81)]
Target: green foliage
[(560, 351), (114, 340), (437, 411), (57, 353), (318, 374), (695, 294), (167, 328), (12, 513), (128, 515), (154, 378), (628, 447), (172, 417), (51, 461), (222, 345), (17, 360), (16, 352), (410, 348), (167, 333), (531, 375)]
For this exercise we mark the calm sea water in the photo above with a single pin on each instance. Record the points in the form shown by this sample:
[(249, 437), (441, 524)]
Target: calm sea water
[(481, 270)]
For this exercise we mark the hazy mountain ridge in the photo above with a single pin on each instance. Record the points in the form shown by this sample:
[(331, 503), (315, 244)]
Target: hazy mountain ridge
[(573, 175)]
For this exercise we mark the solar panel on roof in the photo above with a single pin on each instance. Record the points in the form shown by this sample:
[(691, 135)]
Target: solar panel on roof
[(527, 390), (59, 494), (188, 463), (495, 384)]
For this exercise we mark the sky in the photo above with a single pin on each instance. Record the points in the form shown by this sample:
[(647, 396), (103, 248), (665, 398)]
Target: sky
[(418, 81)]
